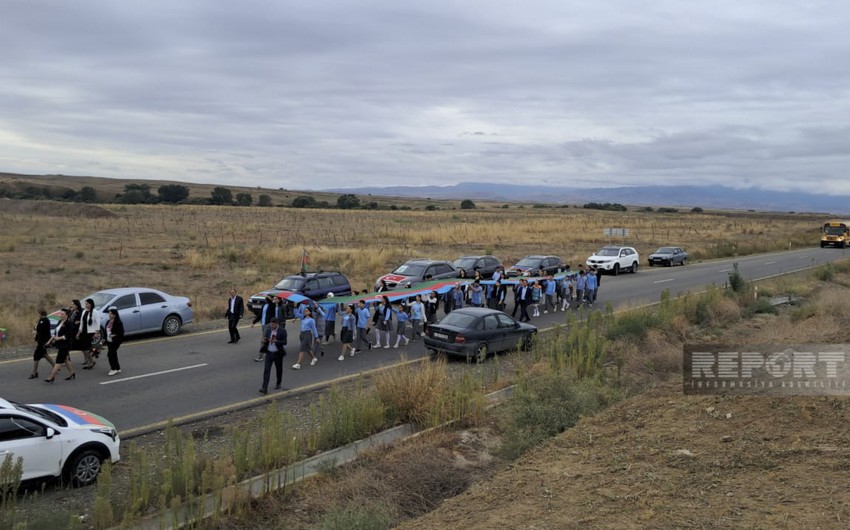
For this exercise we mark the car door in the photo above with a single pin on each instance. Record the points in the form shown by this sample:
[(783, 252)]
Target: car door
[(494, 334), (154, 308), (129, 311), (512, 334), (311, 288), (21, 437)]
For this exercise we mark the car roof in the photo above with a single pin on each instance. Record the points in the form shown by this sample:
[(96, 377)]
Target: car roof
[(314, 274), (478, 256), (427, 260), (5, 404), (477, 311), (128, 290)]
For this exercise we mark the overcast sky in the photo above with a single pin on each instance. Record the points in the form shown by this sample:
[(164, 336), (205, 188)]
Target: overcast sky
[(370, 93)]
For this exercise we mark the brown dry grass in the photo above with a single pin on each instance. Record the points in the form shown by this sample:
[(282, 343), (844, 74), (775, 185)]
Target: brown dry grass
[(52, 252)]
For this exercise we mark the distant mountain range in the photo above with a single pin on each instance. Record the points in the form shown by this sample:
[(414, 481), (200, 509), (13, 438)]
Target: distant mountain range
[(673, 196)]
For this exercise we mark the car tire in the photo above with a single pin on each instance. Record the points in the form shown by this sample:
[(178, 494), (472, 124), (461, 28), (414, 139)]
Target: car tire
[(481, 353), (616, 270), (83, 468), (684, 261), (171, 325), (651, 264), (527, 342), (634, 267)]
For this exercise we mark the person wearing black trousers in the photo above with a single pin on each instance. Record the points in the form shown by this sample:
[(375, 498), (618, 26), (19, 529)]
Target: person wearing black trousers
[(42, 337), (235, 309), (274, 341), (114, 338), (523, 298)]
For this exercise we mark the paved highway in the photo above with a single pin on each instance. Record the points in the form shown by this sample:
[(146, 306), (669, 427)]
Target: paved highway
[(196, 374)]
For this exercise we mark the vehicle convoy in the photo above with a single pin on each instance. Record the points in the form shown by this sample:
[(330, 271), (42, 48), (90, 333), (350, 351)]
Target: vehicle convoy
[(314, 285), (57, 441), (416, 271), (142, 310), (484, 265), (614, 259), (835, 234), (668, 256), (475, 332), (536, 265)]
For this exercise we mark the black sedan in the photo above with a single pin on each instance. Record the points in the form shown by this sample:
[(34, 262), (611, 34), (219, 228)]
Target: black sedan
[(668, 256), (474, 332)]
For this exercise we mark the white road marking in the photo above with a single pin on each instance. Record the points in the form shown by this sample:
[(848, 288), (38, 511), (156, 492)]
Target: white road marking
[(769, 262), (153, 374), (803, 257), (726, 270), (662, 281)]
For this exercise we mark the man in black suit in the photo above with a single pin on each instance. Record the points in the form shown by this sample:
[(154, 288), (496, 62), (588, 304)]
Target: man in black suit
[(523, 296), (235, 308)]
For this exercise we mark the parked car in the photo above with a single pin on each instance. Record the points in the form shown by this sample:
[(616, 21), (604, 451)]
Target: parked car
[(314, 285), (485, 265), (537, 265), (614, 259), (142, 310), (668, 256), (57, 441), (475, 332), (416, 271)]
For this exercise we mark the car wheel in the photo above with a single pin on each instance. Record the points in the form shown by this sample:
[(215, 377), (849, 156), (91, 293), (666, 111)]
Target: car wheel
[(84, 468), (633, 268), (684, 261), (481, 353), (527, 342), (171, 325), (616, 269), (650, 263)]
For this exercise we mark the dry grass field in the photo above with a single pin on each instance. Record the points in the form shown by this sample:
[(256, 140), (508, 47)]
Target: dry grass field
[(51, 252)]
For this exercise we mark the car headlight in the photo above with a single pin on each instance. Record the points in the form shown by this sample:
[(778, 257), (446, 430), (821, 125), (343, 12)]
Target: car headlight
[(106, 431)]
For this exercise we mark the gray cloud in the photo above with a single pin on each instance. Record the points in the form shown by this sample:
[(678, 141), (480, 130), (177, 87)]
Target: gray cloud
[(352, 93)]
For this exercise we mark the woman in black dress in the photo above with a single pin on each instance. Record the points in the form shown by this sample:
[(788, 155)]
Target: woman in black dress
[(42, 337), (62, 337)]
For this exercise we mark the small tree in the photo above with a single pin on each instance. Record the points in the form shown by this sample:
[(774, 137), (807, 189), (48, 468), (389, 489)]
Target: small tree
[(467, 204), (87, 194), (173, 193), (265, 200), (220, 195), (347, 201), (304, 201), (136, 194), (696, 209), (244, 199)]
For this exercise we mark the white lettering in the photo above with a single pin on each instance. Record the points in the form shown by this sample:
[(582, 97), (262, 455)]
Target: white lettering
[(804, 364), (727, 364)]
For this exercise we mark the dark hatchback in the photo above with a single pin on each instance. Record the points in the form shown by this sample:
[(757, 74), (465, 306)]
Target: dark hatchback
[(314, 285), (474, 332), (485, 265)]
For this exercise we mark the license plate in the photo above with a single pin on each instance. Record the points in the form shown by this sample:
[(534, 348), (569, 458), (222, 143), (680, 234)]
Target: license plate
[(441, 336)]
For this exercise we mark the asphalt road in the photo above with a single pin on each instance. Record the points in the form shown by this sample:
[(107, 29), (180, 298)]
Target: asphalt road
[(197, 374)]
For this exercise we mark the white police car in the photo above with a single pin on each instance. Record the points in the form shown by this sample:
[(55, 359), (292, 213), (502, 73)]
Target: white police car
[(56, 441)]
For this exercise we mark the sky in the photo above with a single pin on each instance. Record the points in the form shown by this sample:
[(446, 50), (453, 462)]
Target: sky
[(337, 93)]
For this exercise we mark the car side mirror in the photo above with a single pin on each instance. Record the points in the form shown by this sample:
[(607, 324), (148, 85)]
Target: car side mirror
[(50, 433)]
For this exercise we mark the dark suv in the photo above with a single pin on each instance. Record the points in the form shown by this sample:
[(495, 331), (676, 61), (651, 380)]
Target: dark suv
[(535, 265), (485, 265), (415, 271), (315, 285)]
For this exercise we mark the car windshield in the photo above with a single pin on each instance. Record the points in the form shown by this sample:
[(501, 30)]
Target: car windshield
[(834, 230), (529, 262), (100, 299), (290, 284), (43, 413), (458, 320), (409, 269), (465, 263), (665, 250), (608, 252)]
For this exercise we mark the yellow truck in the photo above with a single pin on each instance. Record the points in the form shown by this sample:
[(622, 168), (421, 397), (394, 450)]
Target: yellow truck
[(835, 234)]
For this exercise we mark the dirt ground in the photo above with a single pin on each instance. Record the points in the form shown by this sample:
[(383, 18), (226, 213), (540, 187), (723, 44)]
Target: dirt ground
[(664, 460)]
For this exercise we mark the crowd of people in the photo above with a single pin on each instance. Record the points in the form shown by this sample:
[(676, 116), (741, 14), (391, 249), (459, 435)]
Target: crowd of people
[(365, 325), (79, 329)]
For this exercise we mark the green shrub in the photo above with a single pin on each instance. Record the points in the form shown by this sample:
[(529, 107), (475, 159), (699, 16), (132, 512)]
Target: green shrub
[(762, 306), (358, 516), (825, 274), (736, 281), (546, 405)]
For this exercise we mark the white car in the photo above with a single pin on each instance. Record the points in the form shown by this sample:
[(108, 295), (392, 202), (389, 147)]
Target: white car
[(614, 259), (56, 441)]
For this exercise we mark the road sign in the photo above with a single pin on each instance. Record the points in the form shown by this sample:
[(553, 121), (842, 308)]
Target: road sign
[(615, 232)]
